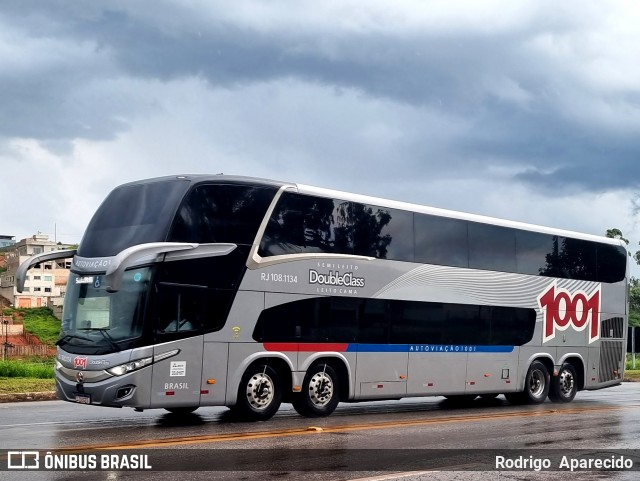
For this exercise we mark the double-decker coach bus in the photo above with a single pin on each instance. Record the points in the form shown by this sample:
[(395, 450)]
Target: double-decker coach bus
[(217, 290)]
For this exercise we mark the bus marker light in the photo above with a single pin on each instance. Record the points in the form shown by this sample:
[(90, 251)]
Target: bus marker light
[(430, 384), (170, 393), (297, 388), (472, 383), (204, 391), (486, 374), (402, 376), (211, 381)]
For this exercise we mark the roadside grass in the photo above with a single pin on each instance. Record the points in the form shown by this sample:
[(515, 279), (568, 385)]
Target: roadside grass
[(41, 323), (29, 375), (25, 369), (632, 375), (12, 385)]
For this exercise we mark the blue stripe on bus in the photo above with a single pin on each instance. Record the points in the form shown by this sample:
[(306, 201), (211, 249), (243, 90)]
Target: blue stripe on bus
[(428, 348)]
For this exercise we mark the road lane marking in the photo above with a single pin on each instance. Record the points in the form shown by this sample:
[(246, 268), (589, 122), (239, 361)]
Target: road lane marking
[(216, 438), (387, 477)]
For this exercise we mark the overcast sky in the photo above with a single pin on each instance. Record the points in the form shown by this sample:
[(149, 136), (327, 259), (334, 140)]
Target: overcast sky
[(524, 110)]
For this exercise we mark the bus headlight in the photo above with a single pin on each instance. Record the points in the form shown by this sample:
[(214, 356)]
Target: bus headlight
[(130, 366)]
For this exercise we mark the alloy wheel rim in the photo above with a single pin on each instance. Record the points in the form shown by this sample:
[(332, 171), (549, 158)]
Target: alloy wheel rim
[(260, 391), (320, 389)]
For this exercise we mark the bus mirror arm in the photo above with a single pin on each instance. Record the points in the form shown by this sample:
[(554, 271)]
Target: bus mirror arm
[(131, 255), (21, 273)]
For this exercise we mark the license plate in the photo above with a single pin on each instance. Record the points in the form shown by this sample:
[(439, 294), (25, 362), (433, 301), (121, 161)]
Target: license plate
[(83, 398)]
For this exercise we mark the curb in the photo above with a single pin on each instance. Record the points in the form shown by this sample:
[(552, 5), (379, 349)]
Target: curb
[(28, 396)]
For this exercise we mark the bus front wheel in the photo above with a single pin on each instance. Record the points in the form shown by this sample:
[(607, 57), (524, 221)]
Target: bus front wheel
[(536, 386), (564, 386), (259, 394), (319, 396)]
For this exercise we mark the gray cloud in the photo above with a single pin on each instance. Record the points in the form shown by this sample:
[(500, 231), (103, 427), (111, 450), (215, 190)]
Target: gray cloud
[(453, 99)]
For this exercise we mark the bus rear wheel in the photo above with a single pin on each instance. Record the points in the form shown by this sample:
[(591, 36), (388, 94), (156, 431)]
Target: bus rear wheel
[(259, 394), (564, 386), (319, 396), (536, 386)]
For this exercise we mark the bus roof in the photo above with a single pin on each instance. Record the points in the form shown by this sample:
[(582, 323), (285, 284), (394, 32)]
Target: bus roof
[(382, 202), (306, 189)]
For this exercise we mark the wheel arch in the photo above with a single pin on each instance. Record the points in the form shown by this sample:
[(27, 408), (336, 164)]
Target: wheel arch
[(339, 364), (544, 358), (278, 361), (577, 361)]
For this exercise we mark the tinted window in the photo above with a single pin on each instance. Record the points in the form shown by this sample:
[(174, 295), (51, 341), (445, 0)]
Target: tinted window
[(221, 213), (308, 224), (303, 224), (381, 321), (534, 252), (442, 241), (422, 322), (373, 324), (575, 259), (184, 311), (612, 263), (222, 272), (179, 310), (381, 232), (130, 215), (492, 247), (336, 320)]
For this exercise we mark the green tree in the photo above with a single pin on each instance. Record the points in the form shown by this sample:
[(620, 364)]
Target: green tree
[(634, 283)]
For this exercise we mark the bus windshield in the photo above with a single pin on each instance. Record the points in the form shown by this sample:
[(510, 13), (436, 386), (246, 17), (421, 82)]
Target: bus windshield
[(132, 214), (99, 320)]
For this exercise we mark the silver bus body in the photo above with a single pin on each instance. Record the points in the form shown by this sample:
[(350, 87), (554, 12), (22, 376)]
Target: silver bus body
[(264, 350)]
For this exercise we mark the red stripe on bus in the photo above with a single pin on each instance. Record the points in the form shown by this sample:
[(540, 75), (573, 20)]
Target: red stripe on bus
[(305, 346)]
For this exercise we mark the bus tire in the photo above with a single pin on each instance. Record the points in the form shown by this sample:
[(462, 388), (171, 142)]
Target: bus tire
[(536, 386), (182, 410), (320, 392), (259, 394), (564, 386)]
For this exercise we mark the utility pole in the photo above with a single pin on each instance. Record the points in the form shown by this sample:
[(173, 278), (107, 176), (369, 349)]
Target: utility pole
[(6, 345)]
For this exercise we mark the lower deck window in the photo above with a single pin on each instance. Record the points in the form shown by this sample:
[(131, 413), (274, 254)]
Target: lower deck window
[(380, 321)]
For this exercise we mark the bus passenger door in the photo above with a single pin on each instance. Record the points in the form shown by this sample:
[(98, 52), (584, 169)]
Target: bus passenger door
[(178, 324)]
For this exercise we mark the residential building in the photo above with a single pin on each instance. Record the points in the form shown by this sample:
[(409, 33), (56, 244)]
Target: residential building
[(6, 240), (45, 284)]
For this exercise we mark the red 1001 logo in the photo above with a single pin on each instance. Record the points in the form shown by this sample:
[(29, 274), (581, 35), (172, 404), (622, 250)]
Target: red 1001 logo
[(562, 309)]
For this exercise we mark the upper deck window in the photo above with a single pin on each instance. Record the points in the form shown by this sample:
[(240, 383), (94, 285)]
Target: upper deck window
[(303, 224), (132, 214), (309, 224), (221, 213)]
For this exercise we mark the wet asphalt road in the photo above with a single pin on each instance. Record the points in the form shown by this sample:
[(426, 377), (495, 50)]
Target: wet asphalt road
[(353, 443)]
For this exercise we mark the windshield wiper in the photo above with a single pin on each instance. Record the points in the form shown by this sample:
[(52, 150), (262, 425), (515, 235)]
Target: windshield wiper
[(67, 337), (106, 335)]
